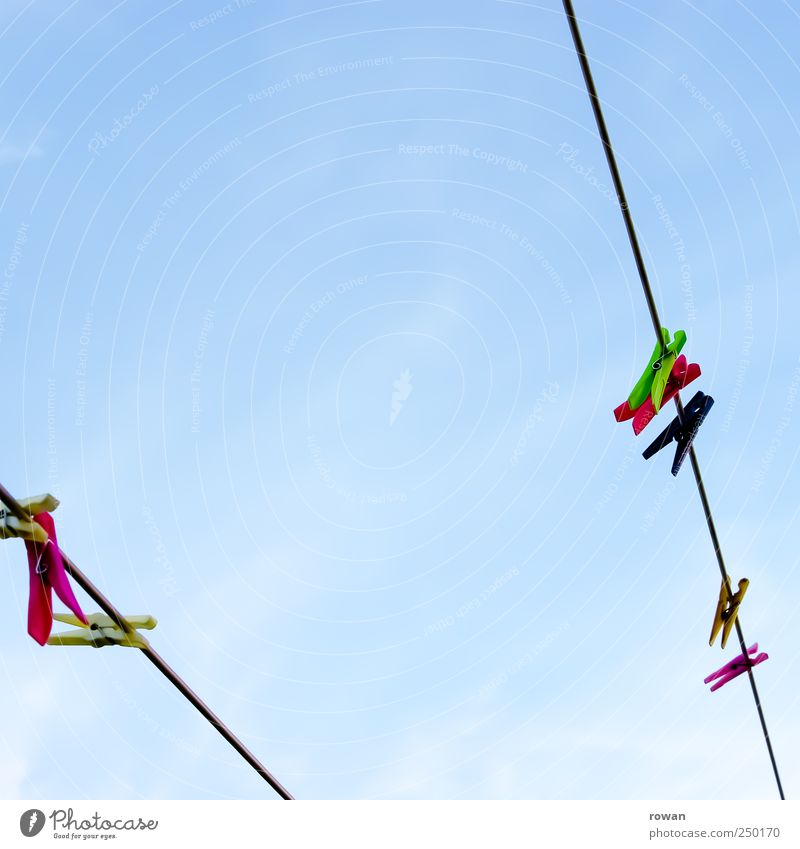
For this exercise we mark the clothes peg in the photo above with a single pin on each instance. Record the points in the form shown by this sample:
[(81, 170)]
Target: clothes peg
[(727, 611), (694, 414), (101, 630), (654, 378), (682, 375), (47, 573), (11, 527), (661, 376), (738, 666)]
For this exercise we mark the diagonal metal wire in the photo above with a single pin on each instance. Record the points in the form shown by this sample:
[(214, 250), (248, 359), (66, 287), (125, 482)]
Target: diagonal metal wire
[(651, 306), (155, 658)]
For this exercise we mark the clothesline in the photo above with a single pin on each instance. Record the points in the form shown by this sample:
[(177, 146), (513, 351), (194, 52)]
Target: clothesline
[(652, 309), (163, 667)]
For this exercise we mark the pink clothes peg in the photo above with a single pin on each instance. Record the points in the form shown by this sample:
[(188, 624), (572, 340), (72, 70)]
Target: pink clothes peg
[(682, 375), (47, 573), (736, 667)]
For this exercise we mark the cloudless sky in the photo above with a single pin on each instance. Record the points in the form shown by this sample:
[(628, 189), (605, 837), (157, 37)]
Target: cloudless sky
[(314, 317)]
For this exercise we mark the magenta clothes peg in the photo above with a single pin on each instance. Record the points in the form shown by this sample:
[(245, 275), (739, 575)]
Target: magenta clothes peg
[(736, 667), (682, 375), (47, 573)]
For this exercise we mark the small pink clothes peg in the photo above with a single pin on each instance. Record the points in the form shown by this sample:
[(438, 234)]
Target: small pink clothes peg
[(736, 667)]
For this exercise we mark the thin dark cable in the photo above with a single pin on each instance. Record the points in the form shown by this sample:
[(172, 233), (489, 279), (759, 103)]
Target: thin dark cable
[(163, 667), (651, 305)]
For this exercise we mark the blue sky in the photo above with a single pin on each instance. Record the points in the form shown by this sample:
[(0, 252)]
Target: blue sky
[(314, 318)]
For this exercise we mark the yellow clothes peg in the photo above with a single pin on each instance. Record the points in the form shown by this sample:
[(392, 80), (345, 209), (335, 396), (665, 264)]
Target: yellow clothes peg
[(727, 611), (11, 527), (101, 631)]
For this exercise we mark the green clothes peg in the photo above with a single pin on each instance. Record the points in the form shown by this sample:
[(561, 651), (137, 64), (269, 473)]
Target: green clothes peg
[(661, 376), (658, 369)]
